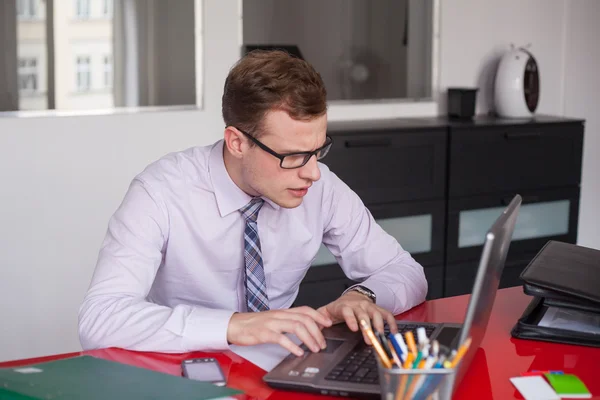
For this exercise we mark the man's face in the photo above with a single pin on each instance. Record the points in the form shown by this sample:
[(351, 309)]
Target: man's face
[(262, 172)]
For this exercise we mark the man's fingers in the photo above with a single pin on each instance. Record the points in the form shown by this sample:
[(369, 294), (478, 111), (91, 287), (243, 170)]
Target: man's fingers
[(350, 318), (362, 315), (286, 343), (309, 324), (377, 319), (391, 321), (299, 329), (318, 317)]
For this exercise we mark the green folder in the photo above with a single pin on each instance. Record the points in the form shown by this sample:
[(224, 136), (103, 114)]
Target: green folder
[(93, 378), (569, 386)]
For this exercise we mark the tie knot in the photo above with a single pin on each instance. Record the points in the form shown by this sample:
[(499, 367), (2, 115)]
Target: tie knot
[(250, 210)]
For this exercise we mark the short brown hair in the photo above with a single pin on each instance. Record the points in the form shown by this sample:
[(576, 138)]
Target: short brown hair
[(266, 80)]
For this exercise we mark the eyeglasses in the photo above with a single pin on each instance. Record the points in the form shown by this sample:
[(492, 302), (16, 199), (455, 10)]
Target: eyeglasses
[(294, 160)]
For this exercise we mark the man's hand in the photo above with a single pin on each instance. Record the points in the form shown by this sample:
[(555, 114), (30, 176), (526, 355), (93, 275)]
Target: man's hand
[(352, 307), (247, 329)]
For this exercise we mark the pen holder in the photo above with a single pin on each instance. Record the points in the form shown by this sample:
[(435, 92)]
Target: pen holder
[(416, 384)]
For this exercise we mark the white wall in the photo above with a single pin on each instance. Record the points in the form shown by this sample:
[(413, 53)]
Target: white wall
[(581, 99), (63, 177), (61, 180), (564, 39)]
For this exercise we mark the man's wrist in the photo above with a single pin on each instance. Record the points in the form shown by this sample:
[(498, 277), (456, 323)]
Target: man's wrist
[(362, 290)]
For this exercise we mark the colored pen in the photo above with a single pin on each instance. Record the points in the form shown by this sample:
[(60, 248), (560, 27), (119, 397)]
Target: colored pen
[(430, 362), (417, 360), (440, 362), (399, 352), (422, 338), (435, 348), (460, 353), (424, 357), (410, 342), (384, 344), (376, 345), (400, 340), (395, 357), (409, 361)]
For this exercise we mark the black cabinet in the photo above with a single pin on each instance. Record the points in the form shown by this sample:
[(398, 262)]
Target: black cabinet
[(486, 159), (391, 165), (544, 215), (437, 185), (489, 161)]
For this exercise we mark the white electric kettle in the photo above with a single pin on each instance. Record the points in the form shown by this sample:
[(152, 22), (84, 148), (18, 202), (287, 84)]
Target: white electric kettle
[(517, 85)]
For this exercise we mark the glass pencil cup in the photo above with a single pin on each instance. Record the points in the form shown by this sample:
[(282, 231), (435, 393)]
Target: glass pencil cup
[(416, 384)]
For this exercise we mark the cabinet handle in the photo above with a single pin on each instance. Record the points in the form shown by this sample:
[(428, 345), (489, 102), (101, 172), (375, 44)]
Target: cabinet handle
[(521, 135), (368, 143)]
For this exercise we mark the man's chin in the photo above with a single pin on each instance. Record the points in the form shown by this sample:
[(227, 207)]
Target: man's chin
[(288, 202)]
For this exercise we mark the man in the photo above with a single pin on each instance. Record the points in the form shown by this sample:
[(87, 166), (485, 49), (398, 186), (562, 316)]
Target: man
[(210, 244)]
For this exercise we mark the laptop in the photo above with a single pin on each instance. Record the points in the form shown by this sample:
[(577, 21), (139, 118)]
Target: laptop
[(347, 367)]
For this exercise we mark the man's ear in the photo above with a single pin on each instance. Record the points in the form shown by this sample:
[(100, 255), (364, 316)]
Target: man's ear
[(234, 142)]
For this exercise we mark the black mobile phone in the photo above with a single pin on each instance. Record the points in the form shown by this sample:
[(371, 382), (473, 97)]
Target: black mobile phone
[(203, 369)]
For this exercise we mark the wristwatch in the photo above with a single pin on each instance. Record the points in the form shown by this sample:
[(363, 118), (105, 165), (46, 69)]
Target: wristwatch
[(362, 290)]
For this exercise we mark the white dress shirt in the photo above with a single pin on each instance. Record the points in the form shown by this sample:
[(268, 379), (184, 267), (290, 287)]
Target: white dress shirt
[(170, 272)]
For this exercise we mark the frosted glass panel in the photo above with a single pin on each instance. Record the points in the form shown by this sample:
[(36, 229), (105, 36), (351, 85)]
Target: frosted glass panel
[(534, 221), (413, 233), (324, 257)]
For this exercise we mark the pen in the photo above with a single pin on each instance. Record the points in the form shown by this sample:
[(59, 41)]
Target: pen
[(417, 360), (395, 357), (424, 357), (430, 362), (409, 361), (460, 353), (399, 352), (400, 340), (422, 337), (440, 362), (376, 345), (410, 342), (435, 348), (384, 344)]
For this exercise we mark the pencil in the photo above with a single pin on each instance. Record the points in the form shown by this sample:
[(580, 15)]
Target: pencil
[(376, 345)]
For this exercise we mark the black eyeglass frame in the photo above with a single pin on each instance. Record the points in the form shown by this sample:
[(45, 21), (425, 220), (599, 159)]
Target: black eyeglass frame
[(307, 154)]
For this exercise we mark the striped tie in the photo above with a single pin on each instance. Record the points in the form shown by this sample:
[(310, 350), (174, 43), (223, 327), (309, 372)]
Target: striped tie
[(256, 286)]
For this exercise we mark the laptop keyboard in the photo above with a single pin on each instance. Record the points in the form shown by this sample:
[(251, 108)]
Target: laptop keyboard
[(360, 365)]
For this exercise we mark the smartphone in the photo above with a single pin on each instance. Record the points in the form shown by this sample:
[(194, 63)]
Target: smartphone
[(203, 369)]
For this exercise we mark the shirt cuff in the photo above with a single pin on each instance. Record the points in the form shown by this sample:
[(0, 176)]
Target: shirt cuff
[(206, 330), (385, 296)]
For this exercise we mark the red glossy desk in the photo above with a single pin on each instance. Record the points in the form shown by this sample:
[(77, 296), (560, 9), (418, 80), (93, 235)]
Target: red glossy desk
[(499, 358)]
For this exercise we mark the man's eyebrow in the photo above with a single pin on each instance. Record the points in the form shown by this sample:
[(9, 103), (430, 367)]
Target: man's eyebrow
[(287, 151)]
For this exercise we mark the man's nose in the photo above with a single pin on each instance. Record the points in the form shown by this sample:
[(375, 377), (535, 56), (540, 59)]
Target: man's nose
[(310, 170)]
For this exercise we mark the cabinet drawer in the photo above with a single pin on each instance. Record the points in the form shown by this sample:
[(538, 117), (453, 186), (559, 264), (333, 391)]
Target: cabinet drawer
[(418, 227), (544, 215), (498, 159), (388, 167)]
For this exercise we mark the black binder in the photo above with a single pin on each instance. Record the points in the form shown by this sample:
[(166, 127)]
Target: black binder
[(563, 279)]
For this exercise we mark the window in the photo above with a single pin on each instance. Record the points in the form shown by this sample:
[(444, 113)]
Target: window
[(82, 9), (83, 72), (364, 50), (26, 8), (28, 75), (93, 58), (108, 72), (107, 8)]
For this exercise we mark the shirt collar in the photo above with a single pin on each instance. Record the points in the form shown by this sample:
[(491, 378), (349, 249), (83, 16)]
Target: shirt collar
[(229, 196)]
